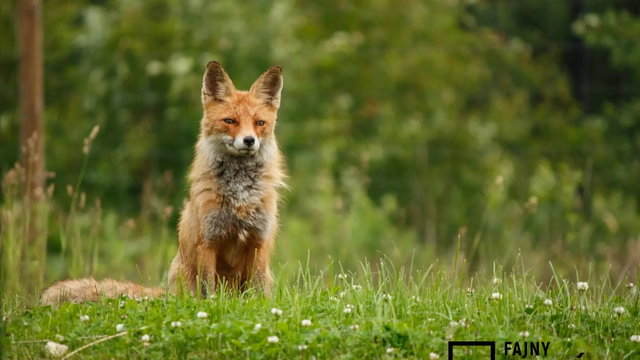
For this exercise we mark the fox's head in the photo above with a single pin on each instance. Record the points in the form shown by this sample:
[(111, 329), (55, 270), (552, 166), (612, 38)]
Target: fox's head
[(238, 122)]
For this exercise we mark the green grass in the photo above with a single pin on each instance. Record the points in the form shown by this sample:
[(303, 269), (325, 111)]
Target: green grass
[(412, 315)]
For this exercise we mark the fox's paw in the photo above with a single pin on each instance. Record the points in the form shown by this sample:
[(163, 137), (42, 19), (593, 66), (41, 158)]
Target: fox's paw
[(214, 226)]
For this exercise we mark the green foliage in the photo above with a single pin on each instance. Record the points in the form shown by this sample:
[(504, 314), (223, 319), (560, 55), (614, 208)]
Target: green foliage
[(410, 130)]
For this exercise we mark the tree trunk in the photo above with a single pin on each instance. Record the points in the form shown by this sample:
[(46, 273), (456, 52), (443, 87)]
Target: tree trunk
[(29, 13)]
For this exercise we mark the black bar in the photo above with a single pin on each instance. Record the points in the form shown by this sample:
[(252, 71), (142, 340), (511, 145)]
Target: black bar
[(490, 344)]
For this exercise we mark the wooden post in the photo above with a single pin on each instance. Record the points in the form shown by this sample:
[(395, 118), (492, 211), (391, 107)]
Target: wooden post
[(31, 96), (29, 13)]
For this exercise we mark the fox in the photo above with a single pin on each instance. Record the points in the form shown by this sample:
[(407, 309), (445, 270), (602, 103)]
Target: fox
[(229, 222)]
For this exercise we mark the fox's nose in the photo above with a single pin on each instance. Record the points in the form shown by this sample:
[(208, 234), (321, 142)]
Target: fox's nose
[(249, 140)]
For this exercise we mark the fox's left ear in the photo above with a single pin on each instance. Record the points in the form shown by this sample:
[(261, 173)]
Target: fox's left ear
[(269, 86)]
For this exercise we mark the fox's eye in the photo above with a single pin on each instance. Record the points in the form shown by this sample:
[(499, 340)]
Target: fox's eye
[(260, 122), (229, 121)]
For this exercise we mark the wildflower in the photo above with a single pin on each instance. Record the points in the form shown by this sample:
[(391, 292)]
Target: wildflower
[(469, 291), (333, 298), (59, 337), (453, 323), (548, 302), (354, 327), (571, 326), (84, 318), (276, 311), (145, 338), (176, 324), (433, 356), (497, 281), (496, 296), (356, 287), (347, 310), (635, 338), (202, 315), (273, 339), (582, 286), (350, 306), (257, 326), (55, 349), (390, 350), (306, 322), (386, 297), (302, 347), (120, 328), (630, 285), (342, 294), (619, 310), (524, 334), (463, 322), (342, 276)]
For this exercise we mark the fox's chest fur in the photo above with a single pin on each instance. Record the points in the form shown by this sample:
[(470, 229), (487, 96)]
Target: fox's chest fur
[(240, 190)]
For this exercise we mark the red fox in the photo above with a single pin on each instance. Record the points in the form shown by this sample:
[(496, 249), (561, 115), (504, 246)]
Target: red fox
[(228, 225)]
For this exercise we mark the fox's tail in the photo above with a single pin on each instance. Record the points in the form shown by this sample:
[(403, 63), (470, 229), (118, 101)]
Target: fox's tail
[(88, 289)]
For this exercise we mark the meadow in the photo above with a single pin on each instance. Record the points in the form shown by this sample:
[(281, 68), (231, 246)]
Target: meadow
[(383, 313)]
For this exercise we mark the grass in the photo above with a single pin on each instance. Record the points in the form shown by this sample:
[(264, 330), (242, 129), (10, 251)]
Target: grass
[(392, 315)]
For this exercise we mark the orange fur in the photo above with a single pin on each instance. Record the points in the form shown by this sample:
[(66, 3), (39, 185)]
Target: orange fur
[(228, 225)]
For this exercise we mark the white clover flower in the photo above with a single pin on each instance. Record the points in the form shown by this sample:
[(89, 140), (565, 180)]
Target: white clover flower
[(55, 349), (59, 337), (120, 328), (354, 327), (571, 326), (386, 297), (390, 350), (276, 311), (273, 339), (635, 338), (257, 326), (342, 276), (202, 315), (145, 338), (619, 310), (84, 317), (356, 287), (433, 356), (497, 281), (176, 324), (582, 286), (347, 310), (496, 296), (524, 334), (302, 347), (548, 302), (306, 322)]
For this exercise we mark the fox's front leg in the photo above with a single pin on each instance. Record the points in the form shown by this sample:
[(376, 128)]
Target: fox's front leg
[(206, 267), (261, 271)]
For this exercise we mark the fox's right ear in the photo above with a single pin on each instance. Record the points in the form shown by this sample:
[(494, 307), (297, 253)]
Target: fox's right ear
[(216, 84)]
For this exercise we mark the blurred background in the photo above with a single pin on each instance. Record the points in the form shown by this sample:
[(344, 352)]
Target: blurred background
[(453, 132)]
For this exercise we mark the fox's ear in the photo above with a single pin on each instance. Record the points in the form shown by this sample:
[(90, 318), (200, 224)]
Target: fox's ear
[(216, 84), (269, 86)]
